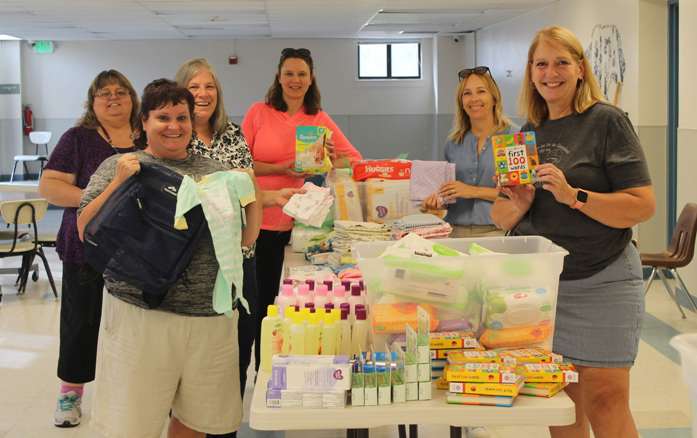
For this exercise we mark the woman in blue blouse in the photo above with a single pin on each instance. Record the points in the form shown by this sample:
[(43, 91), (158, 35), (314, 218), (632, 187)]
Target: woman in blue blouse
[(478, 116)]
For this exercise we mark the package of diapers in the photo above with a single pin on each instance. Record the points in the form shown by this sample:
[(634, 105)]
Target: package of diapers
[(311, 155), (347, 199), (388, 200)]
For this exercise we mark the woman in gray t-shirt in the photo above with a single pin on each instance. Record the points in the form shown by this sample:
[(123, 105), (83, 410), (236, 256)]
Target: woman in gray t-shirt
[(593, 187)]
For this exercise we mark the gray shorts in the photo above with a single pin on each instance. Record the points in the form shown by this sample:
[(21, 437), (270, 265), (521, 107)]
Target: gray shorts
[(599, 318)]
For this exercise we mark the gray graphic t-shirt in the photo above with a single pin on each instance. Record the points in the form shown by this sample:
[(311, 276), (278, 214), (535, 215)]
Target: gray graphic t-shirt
[(598, 151)]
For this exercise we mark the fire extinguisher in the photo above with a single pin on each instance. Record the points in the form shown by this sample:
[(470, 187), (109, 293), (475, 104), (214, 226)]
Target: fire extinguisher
[(27, 120)]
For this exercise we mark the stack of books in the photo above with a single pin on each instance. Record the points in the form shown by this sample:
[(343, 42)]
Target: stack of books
[(443, 343), (481, 378)]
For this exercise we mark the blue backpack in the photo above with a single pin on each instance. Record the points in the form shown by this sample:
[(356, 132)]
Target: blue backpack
[(132, 238)]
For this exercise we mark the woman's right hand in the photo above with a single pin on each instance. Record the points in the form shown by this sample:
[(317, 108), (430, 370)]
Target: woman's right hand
[(288, 169), (126, 166), (521, 195), (432, 202)]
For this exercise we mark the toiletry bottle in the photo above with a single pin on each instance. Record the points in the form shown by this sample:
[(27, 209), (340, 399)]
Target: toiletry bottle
[(345, 329), (271, 341), (321, 296), (285, 298), (329, 335), (312, 334), (359, 332)]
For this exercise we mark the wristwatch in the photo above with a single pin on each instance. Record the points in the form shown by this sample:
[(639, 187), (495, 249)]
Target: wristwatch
[(581, 199)]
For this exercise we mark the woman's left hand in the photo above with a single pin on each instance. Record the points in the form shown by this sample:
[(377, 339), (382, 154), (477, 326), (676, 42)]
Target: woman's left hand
[(457, 189), (554, 181)]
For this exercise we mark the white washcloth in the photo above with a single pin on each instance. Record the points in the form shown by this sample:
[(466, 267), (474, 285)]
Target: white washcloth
[(310, 208)]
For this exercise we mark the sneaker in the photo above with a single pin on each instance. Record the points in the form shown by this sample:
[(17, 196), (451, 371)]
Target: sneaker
[(476, 432), (68, 412)]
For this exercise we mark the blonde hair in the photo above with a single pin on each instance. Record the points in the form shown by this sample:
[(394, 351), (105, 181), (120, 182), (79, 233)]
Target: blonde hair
[(532, 104), (462, 123), (191, 68)]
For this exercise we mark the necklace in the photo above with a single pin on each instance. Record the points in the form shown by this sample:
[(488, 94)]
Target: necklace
[(118, 150)]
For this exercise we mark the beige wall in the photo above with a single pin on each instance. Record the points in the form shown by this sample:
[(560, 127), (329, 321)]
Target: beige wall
[(687, 123), (504, 46), (652, 119)]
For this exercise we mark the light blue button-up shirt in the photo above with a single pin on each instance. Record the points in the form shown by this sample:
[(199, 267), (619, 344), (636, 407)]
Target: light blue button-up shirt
[(473, 169)]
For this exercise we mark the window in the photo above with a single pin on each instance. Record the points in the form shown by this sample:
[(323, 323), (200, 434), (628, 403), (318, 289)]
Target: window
[(389, 61)]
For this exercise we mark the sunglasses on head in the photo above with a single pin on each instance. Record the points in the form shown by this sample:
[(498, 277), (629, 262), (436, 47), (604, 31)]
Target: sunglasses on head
[(291, 52), (480, 70)]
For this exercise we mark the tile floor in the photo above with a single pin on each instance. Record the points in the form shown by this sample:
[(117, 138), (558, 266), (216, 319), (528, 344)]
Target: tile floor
[(29, 348)]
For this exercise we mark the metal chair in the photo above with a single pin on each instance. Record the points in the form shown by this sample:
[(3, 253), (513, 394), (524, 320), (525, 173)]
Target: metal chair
[(40, 138), (25, 212), (679, 254)]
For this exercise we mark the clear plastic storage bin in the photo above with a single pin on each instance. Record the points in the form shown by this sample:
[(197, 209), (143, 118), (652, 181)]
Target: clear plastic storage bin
[(509, 297), (686, 344)]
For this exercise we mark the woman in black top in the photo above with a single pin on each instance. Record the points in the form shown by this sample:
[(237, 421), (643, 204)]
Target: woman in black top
[(593, 187)]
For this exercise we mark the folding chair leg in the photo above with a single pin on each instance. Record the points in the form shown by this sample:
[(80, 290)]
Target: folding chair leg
[(670, 292), (14, 170), (41, 254), (650, 280), (684, 289)]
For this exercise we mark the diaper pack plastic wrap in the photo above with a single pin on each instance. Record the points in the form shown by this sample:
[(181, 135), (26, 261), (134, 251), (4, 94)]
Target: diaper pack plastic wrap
[(310, 149), (304, 237), (385, 169), (388, 200), (347, 197)]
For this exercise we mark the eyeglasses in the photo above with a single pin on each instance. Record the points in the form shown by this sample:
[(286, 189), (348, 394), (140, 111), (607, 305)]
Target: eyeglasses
[(479, 70), (119, 94), (291, 52)]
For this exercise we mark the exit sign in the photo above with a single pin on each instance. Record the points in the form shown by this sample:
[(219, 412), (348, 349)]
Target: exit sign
[(42, 46)]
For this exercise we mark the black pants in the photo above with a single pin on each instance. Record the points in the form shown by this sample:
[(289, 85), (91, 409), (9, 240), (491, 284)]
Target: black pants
[(246, 327), (271, 246), (81, 310)]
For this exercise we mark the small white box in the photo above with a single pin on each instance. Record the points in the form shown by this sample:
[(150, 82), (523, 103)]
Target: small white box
[(371, 396), (412, 391), (358, 396), (423, 373), (423, 354), (399, 393), (384, 395), (425, 391), (410, 373)]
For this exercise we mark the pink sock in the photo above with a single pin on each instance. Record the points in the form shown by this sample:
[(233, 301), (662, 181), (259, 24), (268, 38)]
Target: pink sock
[(67, 387)]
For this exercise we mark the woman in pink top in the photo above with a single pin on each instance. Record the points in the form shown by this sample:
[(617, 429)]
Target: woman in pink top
[(269, 127)]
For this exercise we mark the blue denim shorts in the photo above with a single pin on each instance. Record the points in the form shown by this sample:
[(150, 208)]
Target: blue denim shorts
[(599, 318)]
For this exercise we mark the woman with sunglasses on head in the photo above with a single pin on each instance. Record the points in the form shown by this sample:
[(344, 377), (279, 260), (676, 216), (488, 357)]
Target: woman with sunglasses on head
[(595, 187), (478, 116), (107, 127), (269, 127), (216, 136)]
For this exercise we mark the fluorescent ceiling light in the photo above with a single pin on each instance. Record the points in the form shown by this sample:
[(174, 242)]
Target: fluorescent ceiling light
[(4, 37)]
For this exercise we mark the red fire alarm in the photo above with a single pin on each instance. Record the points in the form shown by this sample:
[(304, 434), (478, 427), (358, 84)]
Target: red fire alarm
[(232, 60)]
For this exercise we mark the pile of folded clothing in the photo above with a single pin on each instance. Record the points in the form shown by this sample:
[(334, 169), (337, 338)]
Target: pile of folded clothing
[(427, 226), (346, 233), (310, 208)]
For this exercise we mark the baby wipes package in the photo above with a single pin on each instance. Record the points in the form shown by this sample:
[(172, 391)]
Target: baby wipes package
[(517, 317), (311, 154)]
